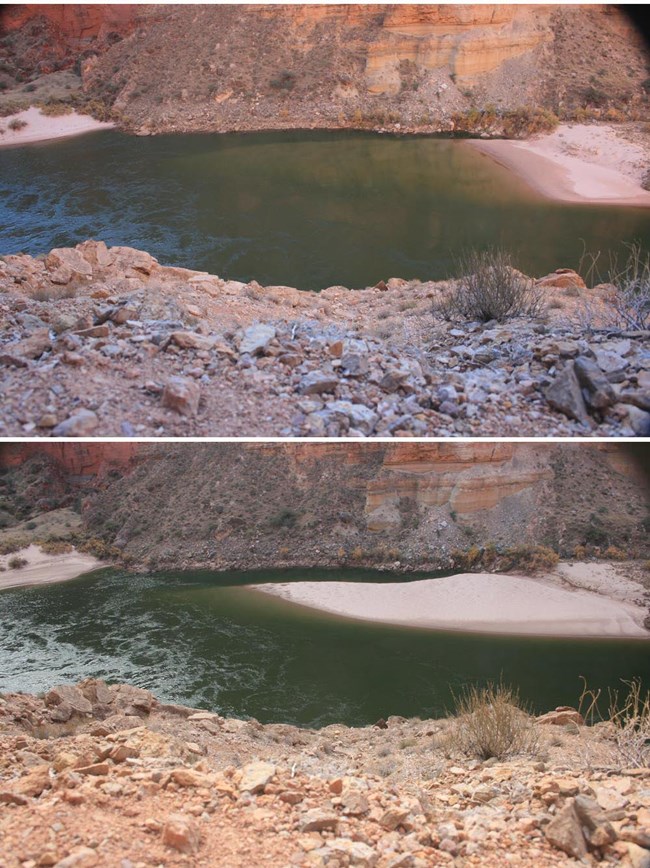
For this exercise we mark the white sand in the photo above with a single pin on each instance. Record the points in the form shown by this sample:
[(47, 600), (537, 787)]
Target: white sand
[(42, 569), (477, 602), (577, 163), (41, 128)]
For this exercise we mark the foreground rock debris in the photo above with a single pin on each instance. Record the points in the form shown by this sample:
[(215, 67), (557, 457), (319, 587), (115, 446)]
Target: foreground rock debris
[(107, 342), (98, 775)]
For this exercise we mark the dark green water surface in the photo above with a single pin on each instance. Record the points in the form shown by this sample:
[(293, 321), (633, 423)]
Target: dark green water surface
[(203, 639), (306, 209)]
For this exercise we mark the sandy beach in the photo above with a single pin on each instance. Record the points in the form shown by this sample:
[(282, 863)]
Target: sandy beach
[(42, 128), (476, 602), (42, 569), (577, 163)]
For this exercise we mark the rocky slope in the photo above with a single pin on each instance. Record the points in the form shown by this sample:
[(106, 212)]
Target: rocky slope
[(98, 775), (249, 505), (107, 342), (228, 67)]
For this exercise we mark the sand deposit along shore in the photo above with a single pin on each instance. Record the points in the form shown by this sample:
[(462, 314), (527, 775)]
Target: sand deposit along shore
[(43, 569), (479, 602), (585, 163), (31, 125)]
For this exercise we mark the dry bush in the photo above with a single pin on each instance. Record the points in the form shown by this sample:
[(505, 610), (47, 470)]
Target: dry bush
[(54, 292), (628, 711), (17, 563), (492, 722), (12, 544), (630, 714), (489, 288), (55, 547), (628, 305), (55, 109)]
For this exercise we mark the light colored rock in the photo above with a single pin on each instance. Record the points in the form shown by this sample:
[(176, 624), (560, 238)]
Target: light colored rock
[(256, 339), (71, 695), (66, 264), (318, 820), (80, 857), (33, 346), (317, 383), (562, 715), (193, 341), (80, 424), (256, 776)]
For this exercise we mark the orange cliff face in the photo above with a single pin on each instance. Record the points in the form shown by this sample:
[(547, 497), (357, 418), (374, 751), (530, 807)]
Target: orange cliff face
[(74, 23), (83, 461)]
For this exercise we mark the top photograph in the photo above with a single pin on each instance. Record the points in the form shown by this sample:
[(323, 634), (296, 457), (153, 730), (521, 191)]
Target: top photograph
[(324, 221)]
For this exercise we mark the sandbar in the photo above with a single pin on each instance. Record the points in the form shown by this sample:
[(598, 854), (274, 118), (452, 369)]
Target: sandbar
[(42, 128), (583, 163), (473, 602), (42, 569)]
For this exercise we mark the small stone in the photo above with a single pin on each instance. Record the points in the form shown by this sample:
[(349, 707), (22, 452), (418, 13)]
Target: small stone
[(393, 818), (100, 331), (182, 395), (96, 769), (47, 420), (354, 803)]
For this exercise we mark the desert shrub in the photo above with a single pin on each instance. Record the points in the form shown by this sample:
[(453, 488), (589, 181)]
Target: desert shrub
[(491, 721), (285, 81), (12, 544), (17, 563), (489, 288), (284, 518), (55, 547), (614, 553), (17, 124), (99, 549), (528, 121), (31, 525), (55, 109)]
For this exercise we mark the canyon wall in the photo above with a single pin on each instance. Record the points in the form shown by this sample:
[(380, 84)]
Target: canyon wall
[(241, 505), (237, 67)]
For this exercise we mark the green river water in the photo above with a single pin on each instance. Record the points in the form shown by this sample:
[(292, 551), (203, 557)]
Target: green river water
[(204, 640), (304, 209)]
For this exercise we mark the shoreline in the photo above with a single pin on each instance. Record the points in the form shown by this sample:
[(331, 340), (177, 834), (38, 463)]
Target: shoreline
[(479, 603), (577, 163), (45, 128), (43, 569)]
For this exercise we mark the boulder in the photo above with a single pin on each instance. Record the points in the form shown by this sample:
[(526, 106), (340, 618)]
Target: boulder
[(561, 716), (256, 776), (182, 395), (256, 339), (565, 832), (71, 696), (600, 393), (80, 424), (33, 346), (564, 394), (562, 278), (66, 264), (181, 833), (193, 341), (317, 382)]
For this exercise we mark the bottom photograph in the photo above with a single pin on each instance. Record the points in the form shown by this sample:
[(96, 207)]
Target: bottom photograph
[(324, 654)]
